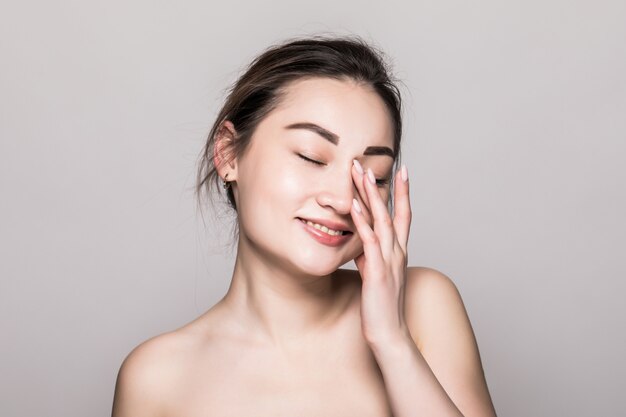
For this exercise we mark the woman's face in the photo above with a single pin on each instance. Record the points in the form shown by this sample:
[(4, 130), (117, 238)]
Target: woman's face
[(276, 187)]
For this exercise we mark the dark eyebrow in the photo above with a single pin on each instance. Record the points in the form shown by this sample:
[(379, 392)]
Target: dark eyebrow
[(334, 138)]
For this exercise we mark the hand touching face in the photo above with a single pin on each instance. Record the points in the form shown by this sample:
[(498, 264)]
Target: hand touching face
[(383, 263)]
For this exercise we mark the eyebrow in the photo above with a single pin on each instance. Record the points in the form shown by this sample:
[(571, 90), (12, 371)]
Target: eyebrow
[(334, 138)]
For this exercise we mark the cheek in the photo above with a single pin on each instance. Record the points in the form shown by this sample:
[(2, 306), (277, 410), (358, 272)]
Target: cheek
[(278, 186), (291, 179), (386, 195)]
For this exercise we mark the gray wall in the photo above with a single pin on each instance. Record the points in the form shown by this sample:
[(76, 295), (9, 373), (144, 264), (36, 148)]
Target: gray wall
[(515, 142)]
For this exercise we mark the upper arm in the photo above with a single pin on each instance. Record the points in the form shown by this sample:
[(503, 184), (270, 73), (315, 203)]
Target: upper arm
[(141, 386), (441, 329)]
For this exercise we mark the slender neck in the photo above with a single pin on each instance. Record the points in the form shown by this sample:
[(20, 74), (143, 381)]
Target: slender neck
[(276, 302)]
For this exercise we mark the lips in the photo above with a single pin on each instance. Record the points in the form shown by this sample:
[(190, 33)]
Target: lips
[(328, 223), (323, 237)]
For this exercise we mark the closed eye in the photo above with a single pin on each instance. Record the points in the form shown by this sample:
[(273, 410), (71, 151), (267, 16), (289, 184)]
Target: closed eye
[(311, 160), (379, 182)]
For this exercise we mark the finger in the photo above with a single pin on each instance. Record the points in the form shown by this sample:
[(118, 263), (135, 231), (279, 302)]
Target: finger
[(402, 208), (383, 225), (357, 177), (371, 243)]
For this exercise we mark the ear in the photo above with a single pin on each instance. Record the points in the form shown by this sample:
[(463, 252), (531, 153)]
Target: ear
[(222, 155)]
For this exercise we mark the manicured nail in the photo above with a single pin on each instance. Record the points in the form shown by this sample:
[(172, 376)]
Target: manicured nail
[(370, 176), (405, 173), (356, 205), (358, 167)]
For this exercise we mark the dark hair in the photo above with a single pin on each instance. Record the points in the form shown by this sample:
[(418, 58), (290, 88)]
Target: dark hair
[(262, 86)]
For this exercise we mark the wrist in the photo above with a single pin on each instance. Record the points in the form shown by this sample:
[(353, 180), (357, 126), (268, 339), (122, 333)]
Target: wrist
[(392, 344)]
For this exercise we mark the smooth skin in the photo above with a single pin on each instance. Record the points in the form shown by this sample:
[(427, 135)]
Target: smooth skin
[(294, 335)]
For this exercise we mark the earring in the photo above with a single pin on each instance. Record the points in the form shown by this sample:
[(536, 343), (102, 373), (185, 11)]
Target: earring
[(226, 183)]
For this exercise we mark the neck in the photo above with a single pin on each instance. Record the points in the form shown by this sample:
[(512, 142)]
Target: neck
[(277, 303)]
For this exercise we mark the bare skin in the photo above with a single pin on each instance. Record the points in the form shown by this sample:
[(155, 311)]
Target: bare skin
[(212, 366), (287, 338)]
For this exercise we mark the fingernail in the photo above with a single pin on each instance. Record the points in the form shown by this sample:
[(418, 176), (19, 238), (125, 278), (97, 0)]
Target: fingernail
[(356, 205), (370, 176), (358, 166), (405, 173)]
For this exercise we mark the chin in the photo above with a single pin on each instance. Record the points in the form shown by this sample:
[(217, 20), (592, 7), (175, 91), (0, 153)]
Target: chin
[(317, 266)]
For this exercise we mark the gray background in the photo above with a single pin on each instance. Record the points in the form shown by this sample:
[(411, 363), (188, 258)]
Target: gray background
[(514, 140)]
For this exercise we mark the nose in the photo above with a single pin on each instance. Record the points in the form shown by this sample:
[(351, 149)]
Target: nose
[(338, 190)]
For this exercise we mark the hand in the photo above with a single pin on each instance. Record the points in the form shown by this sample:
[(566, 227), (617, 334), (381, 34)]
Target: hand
[(383, 262)]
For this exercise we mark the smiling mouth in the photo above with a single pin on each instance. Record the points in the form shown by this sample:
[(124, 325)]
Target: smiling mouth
[(325, 229)]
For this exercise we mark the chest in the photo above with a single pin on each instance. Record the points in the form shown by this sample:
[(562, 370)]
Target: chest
[(334, 381)]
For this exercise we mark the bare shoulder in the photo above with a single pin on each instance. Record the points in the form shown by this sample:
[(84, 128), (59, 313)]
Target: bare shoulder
[(146, 376), (422, 276), (434, 309), (442, 331)]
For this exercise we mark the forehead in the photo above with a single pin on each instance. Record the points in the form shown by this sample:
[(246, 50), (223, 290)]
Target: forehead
[(355, 112)]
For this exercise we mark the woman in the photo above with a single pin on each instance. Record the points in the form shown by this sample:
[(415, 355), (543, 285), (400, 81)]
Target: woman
[(307, 146)]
